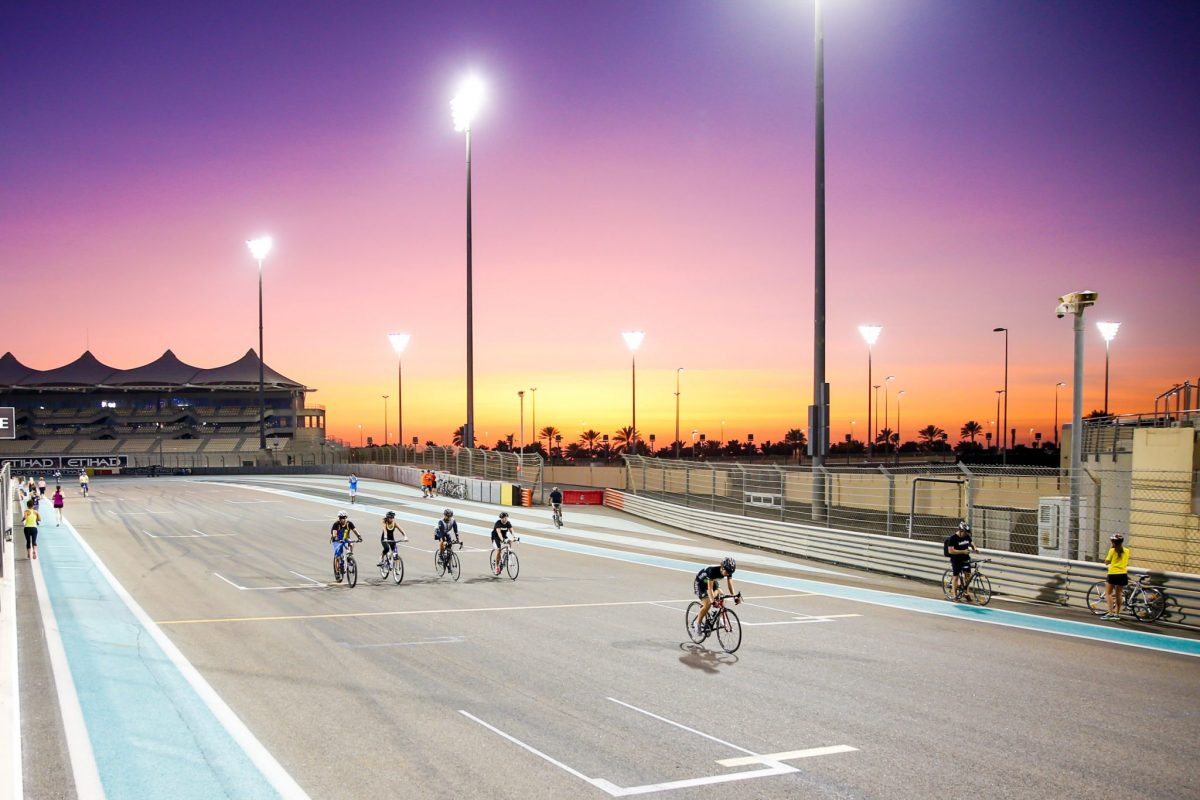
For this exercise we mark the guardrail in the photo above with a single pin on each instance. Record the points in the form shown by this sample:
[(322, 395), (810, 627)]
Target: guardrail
[(1036, 578)]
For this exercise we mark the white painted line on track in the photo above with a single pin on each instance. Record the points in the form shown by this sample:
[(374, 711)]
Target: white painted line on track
[(79, 745), (434, 640), (249, 502), (788, 756), (307, 519), (536, 752), (240, 588), (683, 727), (196, 535)]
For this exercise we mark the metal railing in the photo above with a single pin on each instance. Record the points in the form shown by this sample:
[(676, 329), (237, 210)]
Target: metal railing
[(494, 465)]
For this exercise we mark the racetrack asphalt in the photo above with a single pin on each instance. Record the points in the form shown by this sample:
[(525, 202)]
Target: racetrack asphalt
[(577, 679)]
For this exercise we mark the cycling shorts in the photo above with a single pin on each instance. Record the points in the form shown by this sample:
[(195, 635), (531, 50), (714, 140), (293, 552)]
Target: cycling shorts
[(1119, 579), (700, 585), (448, 536), (960, 567), (496, 539)]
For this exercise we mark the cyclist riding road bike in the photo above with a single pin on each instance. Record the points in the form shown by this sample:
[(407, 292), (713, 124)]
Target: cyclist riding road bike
[(339, 535), (708, 585), (500, 534), (387, 539), (447, 531)]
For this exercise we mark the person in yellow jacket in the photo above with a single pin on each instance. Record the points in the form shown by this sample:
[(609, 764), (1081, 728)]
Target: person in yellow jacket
[(1118, 575), (32, 518)]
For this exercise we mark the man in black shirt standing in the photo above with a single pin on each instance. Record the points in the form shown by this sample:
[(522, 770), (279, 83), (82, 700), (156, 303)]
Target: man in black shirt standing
[(957, 547), (500, 532)]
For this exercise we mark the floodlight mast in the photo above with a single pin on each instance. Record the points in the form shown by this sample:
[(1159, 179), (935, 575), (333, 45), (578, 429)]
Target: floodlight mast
[(633, 340), (259, 248), (463, 109), (399, 343)]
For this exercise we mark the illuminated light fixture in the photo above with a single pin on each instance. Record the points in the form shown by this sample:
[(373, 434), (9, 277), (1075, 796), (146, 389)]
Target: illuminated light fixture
[(633, 339), (260, 247), (466, 104), (1108, 330), (870, 333)]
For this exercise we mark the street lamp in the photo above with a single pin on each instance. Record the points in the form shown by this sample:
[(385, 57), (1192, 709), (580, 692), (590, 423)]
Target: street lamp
[(259, 248), (463, 108), (694, 432), (997, 420), (677, 371), (399, 342), (870, 334), (633, 340), (360, 439), (1057, 386), (818, 412), (385, 428), (533, 422), (1004, 456), (886, 380), (521, 395), (899, 394), (1075, 304), (1109, 331), (722, 433)]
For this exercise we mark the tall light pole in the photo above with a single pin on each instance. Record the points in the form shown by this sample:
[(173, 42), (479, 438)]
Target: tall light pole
[(533, 422), (1004, 451), (633, 339), (997, 420), (399, 342), (521, 395), (899, 394), (1075, 304), (385, 429), (875, 430), (870, 334), (677, 371), (818, 412), (694, 432), (360, 439), (722, 433), (886, 381), (259, 248), (1057, 386), (463, 108), (1109, 331)]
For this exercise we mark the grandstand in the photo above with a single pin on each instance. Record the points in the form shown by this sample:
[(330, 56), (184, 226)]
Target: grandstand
[(162, 412)]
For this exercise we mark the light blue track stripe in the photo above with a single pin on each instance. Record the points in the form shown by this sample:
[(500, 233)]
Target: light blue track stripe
[(924, 605), (152, 734)]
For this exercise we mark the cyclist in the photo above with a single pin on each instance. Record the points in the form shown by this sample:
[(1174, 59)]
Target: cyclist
[(957, 547), (556, 498), (353, 488), (339, 536), (1118, 575), (500, 533), (708, 585), (388, 538), (445, 527), (83, 482)]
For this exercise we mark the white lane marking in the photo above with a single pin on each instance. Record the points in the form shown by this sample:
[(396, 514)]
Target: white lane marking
[(307, 519), (683, 727), (540, 754), (789, 611), (801, 620), (79, 744), (196, 535), (688, 783), (271, 769), (300, 575), (434, 640), (137, 513), (10, 695), (240, 588), (248, 502), (788, 756)]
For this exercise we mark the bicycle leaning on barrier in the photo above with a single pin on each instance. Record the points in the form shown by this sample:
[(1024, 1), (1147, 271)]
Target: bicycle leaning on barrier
[(1146, 603), (972, 586)]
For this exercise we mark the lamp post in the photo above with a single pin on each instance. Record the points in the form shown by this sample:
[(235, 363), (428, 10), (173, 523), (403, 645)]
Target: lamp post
[(1004, 451), (677, 371), (722, 433), (259, 248), (818, 412), (521, 395), (870, 334), (463, 109), (886, 381), (399, 342), (1075, 304), (694, 432), (1109, 331), (633, 339), (875, 429), (997, 420), (385, 428), (899, 394), (533, 422), (1057, 386)]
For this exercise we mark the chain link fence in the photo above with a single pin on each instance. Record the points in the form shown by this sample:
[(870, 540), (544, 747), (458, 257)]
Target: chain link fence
[(494, 465), (1015, 509)]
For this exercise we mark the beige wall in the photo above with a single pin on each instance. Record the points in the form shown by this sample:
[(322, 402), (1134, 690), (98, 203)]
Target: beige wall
[(600, 477), (1164, 523)]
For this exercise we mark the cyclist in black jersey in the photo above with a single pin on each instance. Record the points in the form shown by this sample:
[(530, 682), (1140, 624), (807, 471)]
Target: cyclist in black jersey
[(500, 533), (387, 539), (708, 585)]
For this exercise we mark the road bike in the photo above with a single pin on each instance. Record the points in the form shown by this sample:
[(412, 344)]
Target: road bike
[(976, 589), (720, 619), (508, 559), (393, 566), (346, 566), (558, 516), (447, 560), (1146, 603), (455, 490)]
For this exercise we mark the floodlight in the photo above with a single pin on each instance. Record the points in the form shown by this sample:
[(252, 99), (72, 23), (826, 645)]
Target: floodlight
[(465, 105), (260, 247), (399, 341), (634, 339), (1108, 330), (870, 333)]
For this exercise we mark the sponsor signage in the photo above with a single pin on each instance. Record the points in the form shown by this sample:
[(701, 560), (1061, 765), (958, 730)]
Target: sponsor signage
[(8, 423), (64, 462)]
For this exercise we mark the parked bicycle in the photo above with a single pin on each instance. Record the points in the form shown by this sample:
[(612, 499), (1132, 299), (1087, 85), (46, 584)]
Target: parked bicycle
[(976, 588), (447, 560), (1146, 603), (393, 566), (508, 559), (346, 566), (451, 489), (724, 621)]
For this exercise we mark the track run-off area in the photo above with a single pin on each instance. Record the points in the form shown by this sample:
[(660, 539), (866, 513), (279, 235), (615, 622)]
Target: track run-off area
[(184, 638)]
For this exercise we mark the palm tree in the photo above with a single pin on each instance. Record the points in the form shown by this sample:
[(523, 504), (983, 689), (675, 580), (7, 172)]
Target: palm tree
[(589, 437), (459, 432), (625, 439), (548, 433), (797, 440), (971, 430), (930, 434)]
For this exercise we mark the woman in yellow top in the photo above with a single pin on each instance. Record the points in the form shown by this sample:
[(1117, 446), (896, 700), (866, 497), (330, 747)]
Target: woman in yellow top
[(1118, 575), (32, 518)]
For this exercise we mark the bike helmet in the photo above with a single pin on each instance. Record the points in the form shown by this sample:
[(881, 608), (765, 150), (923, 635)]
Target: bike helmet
[(342, 515), (729, 565), (964, 527), (390, 515), (447, 513), (1117, 537)]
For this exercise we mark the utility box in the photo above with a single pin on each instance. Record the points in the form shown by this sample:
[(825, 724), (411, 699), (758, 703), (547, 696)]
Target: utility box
[(1054, 528)]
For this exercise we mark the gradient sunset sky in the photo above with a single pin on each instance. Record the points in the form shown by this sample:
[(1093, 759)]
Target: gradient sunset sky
[(638, 165)]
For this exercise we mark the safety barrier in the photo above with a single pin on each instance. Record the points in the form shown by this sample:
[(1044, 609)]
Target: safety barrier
[(1027, 577)]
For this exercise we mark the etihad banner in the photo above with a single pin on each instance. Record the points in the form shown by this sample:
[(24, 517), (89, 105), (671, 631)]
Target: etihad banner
[(65, 462)]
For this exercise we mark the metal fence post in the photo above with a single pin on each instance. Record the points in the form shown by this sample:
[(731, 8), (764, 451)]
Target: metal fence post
[(891, 501), (782, 493), (970, 494)]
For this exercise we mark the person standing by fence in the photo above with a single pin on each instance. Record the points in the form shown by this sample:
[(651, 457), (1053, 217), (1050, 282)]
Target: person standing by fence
[(58, 505), (1118, 575), (32, 518)]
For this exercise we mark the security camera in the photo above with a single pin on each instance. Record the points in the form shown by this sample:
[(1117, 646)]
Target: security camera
[(1075, 303), (1061, 311)]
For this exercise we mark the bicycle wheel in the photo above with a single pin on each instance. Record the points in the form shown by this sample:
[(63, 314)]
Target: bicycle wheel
[(981, 589), (1096, 599), (455, 567), (558, 519), (439, 562), (729, 631), (513, 565), (948, 584), (398, 570), (689, 619), (337, 570), (385, 569), (351, 572), (1148, 603)]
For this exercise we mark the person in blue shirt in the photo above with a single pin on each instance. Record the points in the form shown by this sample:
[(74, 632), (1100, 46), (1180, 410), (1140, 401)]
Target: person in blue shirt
[(353, 488)]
